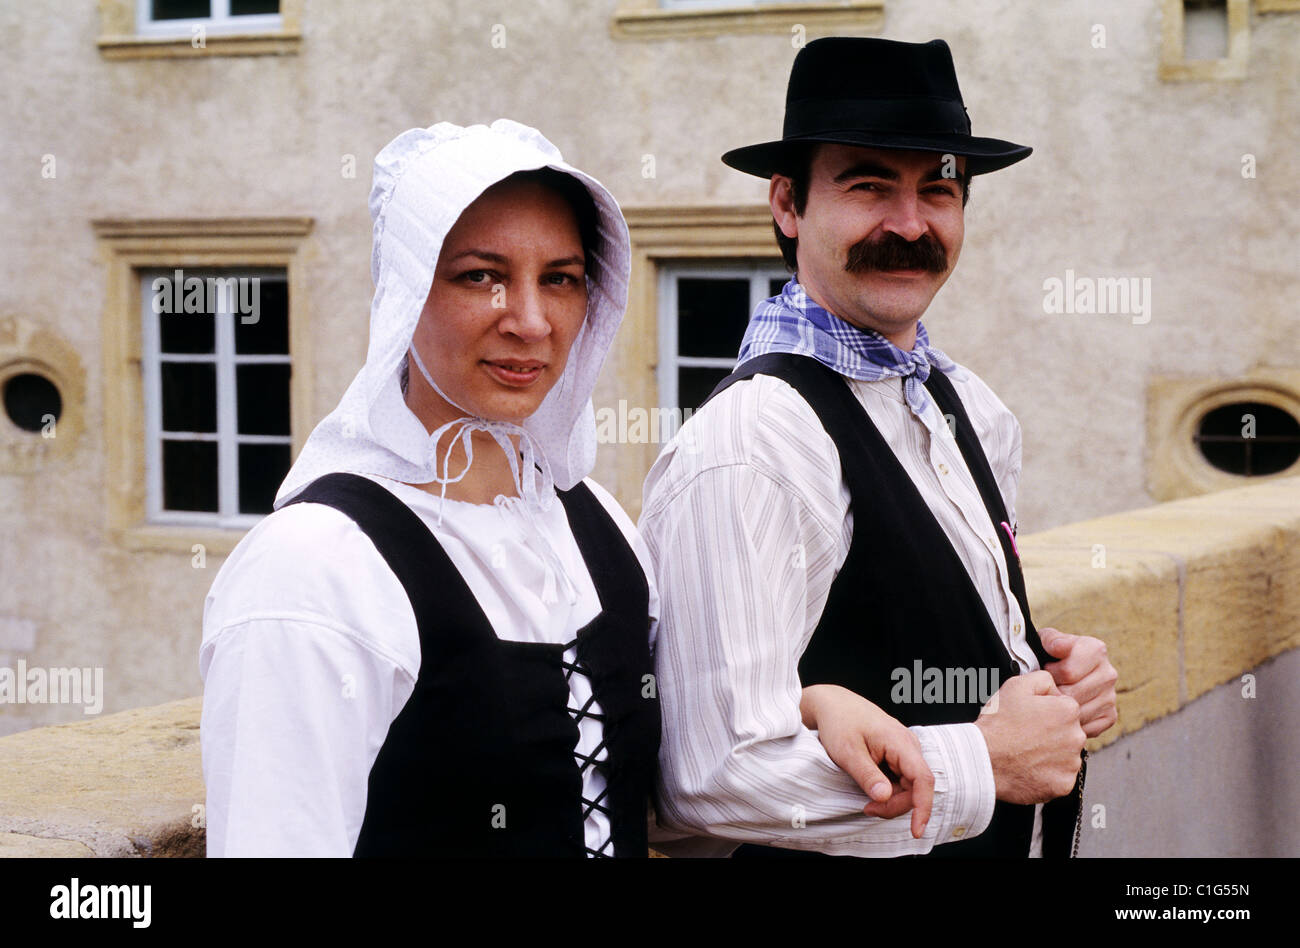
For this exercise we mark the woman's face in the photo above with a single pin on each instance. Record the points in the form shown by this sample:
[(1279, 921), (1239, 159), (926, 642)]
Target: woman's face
[(509, 295)]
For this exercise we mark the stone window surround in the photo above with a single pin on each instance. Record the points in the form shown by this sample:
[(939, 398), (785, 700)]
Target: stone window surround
[(1173, 65), (130, 246), (675, 234), (28, 346), (647, 20), (1175, 406), (120, 37)]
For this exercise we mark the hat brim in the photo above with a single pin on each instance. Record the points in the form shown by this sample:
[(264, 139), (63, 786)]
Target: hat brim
[(982, 154)]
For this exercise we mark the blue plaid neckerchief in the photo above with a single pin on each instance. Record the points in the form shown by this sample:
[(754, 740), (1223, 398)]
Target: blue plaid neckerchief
[(795, 324)]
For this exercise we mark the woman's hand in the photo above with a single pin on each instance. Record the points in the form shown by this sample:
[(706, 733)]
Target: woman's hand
[(858, 735)]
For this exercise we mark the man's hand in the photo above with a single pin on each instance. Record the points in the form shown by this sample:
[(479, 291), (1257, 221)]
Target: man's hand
[(1085, 674), (1034, 739), (857, 736)]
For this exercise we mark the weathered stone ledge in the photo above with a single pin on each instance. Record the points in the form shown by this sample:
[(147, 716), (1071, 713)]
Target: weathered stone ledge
[(126, 784), (1187, 595)]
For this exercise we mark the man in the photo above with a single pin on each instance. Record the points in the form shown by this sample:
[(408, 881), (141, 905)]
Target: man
[(839, 515)]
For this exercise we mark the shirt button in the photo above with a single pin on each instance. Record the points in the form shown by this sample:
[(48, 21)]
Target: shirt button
[(1016, 629), (959, 832), (991, 542), (943, 469)]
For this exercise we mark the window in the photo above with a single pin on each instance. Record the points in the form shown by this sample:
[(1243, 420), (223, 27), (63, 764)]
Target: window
[(641, 372), (163, 29), (1205, 30), (1249, 438), (1211, 434), (185, 16), (43, 391), (207, 379), (1204, 39), (32, 401), (215, 361), (704, 310)]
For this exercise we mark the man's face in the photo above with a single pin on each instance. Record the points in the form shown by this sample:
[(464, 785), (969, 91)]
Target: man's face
[(879, 235)]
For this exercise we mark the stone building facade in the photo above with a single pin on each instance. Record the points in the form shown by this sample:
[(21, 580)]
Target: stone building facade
[(1134, 276)]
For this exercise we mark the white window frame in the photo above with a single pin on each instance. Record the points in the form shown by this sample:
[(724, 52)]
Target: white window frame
[(227, 436), (221, 21), (670, 358)]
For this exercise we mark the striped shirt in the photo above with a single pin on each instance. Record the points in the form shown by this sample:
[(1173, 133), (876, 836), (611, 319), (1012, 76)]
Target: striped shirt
[(750, 487)]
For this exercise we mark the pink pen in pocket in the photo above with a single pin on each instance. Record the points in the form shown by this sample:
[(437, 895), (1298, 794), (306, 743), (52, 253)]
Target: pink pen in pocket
[(1011, 535)]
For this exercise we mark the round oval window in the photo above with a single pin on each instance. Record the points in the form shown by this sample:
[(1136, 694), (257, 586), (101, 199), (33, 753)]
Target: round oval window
[(32, 401), (1249, 438)]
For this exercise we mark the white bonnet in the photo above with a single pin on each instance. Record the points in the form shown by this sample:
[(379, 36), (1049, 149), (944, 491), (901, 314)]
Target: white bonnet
[(423, 181)]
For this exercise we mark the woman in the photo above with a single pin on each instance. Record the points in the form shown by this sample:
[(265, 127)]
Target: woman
[(439, 643), (427, 649)]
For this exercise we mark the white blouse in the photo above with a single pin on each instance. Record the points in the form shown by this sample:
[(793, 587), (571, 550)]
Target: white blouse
[(310, 650)]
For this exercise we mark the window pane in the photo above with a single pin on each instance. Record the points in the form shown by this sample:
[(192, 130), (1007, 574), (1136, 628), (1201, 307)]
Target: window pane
[(186, 332), (1274, 456), (263, 392), (1226, 455), (190, 475), (268, 333), (711, 316), (189, 396), (775, 286), (247, 7), (694, 385), (180, 9), (262, 468)]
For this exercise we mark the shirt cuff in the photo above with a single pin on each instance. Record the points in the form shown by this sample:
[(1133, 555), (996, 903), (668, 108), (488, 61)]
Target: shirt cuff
[(963, 773)]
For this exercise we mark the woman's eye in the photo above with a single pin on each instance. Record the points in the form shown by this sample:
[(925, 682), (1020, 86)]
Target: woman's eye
[(562, 279), (476, 276)]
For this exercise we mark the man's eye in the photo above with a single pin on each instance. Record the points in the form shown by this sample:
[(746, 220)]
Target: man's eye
[(864, 186)]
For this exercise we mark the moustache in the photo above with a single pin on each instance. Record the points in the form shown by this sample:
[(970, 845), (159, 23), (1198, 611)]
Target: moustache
[(892, 252)]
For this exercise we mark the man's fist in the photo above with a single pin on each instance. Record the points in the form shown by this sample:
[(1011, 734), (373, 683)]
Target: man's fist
[(1085, 674), (1034, 739)]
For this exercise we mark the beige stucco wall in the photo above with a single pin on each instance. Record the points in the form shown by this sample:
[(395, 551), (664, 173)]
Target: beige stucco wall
[(1132, 176)]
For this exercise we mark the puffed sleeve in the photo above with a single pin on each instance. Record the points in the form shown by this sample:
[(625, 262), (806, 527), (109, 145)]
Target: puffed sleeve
[(309, 652)]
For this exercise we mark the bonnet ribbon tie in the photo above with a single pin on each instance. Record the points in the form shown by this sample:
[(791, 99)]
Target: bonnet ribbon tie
[(527, 475)]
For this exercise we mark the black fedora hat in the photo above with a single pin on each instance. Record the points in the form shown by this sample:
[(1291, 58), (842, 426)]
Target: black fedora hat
[(876, 93)]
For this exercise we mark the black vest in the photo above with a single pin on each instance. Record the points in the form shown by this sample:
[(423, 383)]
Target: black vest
[(903, 604), (480, 761)]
